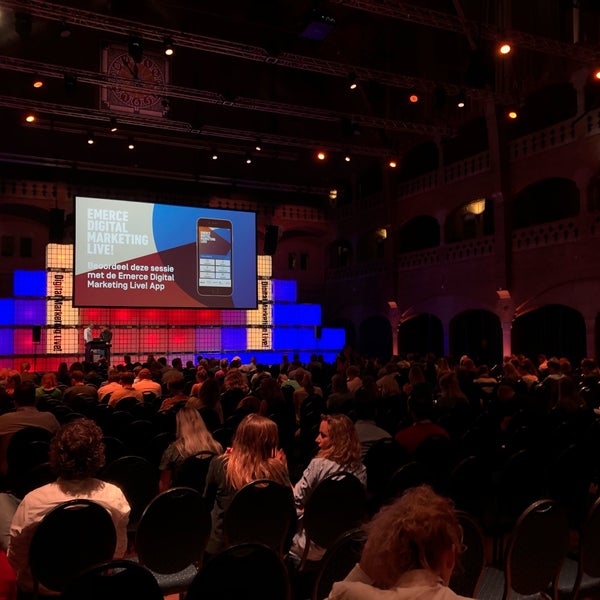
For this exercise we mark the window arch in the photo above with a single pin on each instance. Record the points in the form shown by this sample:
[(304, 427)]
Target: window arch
[(419, 233)]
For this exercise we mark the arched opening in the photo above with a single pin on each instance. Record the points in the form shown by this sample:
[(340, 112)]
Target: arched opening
[(421, 334), (553, 330), (478, 334), (418, 233), (375, 338), (545, 201), (470, 221)]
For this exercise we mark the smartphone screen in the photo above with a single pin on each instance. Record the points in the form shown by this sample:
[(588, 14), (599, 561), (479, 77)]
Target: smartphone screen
[(214, 257)]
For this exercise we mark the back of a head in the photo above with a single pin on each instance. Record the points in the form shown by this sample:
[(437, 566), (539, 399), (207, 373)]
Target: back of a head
[(76, 450), (344, 447), (24, 394), (413, 532), (420, 401), (127, 378)]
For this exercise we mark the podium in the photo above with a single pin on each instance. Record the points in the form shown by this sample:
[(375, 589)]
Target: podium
[(100, 349)]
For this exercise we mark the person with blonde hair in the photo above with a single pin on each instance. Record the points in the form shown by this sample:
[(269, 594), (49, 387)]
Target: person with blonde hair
[(410, 552), (254, 454), (192, 437), (339, 450)]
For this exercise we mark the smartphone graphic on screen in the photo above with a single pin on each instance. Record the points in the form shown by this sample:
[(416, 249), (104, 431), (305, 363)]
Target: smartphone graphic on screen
[(214, 249)]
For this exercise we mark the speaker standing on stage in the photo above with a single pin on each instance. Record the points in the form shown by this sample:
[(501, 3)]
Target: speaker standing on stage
[(88, 336), (106, 334)]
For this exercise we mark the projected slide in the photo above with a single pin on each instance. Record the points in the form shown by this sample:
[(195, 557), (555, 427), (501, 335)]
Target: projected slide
[(137, 254)]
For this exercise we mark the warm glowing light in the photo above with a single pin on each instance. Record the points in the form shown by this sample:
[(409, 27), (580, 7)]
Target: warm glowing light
[(333, 194), (476, 207), (38, 83), (131, 145), (413, 98), (248, 160), (90, 139), (347, 158), (214, 156), (512, 114), (321, 155), (353, 85), (597, 74), (30, 118), (392, 164), (505, 49)]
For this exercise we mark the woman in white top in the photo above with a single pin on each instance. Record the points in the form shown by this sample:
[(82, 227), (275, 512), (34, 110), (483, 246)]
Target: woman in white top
[(339, 450), (410, 552)]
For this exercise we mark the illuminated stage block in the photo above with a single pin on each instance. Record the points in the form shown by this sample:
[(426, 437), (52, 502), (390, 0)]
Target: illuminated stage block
[(153, 316), (264, 266), (208, 340), (233, 339), (30, 312), (181, 340), (284, 291), (209, 316), (293, 338), (234, 317), (64, 341), (181, 317), (7, 341), (259, 338), (296, 314), (29, 283), (59, 256), (7, 312), (331, 339)]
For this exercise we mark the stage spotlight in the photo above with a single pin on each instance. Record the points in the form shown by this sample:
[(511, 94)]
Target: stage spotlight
[(347, 157), (135, 47), (248, 159), (352, 81), (38, 83), (504, 48), (512, 113), (23, 24), (461, 100), (413, 98), (392, 164), (114, 126), (333, 194), (597, 74), (30, 117), (215, 154), (131, 144), (169, 50), (258, 146), (90, 138), (321, 155)]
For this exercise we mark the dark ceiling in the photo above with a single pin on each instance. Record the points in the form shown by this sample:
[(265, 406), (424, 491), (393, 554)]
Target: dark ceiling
[(244, 71)]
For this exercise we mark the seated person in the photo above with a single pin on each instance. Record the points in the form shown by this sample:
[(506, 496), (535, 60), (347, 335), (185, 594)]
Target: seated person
[(127, 390), (420, 407), (79, 387), (145, 383), (76, 455), (410, 551)]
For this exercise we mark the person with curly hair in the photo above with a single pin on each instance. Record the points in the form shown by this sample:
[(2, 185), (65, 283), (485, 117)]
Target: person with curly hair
[(411, 550), (254, 454), (339, 450), (76, 456)]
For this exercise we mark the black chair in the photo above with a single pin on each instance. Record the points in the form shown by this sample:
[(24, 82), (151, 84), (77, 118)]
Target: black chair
[(32, 479), (158, 444), (469, 485), (114, 448), (138, 436), (263, 511), (138, 480), (248, 571), (537, 550), (381, 460), (338, 561), (117, 580), (192, 471), (171, 537), (127, 403), (336, 505), (438, 454), (61, 546), (467, 575), (409, 475)]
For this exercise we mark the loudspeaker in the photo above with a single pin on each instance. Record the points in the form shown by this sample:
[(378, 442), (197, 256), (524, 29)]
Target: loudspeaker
[(36, 334), (271, 235), (57, 225)]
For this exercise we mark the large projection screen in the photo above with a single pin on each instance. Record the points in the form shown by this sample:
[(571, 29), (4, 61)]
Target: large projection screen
[(138, 254)]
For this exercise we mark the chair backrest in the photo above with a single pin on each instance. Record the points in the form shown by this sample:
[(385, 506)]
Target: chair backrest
[(249, 571), (173, 531), (192, 471), (589, 548), (70, 538), (262, 511), (466, 576), (537, 549), (126, 403), (338, 561), (409, 475), (138, 479), (381, 460), (117, 580), (336, 505), (469, 485)]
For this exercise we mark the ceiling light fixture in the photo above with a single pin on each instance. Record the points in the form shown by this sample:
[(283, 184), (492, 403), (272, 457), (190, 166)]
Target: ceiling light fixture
[(30, 117), (258, 146), (597, 74), (347, 157), (321, 155), (352, 81), (215, 154), (131, 144), (461, 101), (512, 114), (38, 83), (413, 98), (90, 138), (504, 48), (168, 48), (392, 164), (248, 159), (114, 126)]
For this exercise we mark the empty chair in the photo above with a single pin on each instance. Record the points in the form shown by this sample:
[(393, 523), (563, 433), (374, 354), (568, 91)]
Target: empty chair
[(117, 580), (466, 577), (335, 506), (338, 561), (171, 537), (469, 485), (262, 511), (139, 481), (248, 571), (60, 547), (536, 550)]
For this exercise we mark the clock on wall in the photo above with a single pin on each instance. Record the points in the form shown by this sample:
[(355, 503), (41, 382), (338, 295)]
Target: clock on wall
[(152, 69)]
